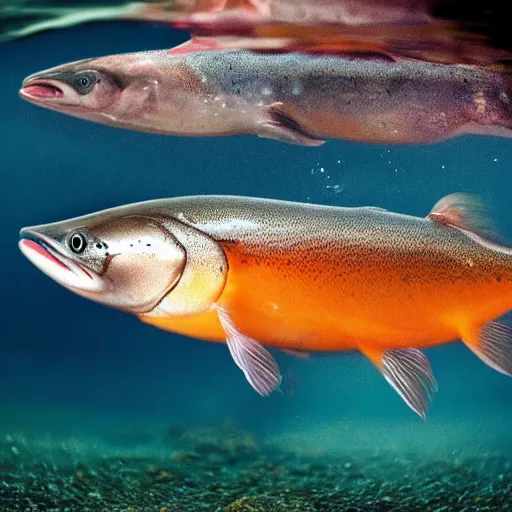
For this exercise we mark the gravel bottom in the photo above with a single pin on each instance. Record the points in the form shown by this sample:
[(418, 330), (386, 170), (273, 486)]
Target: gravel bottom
[(224, 469)]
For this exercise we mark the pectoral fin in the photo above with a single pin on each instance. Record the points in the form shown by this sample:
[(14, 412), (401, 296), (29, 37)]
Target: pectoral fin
[(280, 126), (409, 373), (493, 345), (258, 365)]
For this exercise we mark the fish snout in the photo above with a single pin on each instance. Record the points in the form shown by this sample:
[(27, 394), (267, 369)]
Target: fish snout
[(26, 233), (32, 77), (71, 90), (36, 88), (51, 258)]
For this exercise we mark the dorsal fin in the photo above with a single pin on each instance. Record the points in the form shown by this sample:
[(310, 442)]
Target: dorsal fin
[(196, 44), (464, 211)]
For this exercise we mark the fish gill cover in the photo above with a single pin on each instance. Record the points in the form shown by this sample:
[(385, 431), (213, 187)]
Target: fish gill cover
[(103, 412)]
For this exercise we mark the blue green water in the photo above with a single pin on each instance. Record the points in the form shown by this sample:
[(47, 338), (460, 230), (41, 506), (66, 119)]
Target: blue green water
[(70, 368)]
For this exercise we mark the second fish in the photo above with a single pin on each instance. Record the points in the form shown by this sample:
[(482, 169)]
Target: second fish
[(296, 98)]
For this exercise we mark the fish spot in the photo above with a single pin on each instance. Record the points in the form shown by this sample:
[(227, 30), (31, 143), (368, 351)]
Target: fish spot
[(498, 278), (297, 90)]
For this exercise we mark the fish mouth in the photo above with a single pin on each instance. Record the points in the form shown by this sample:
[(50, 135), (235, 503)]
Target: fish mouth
[(37, 89), (46, 255)]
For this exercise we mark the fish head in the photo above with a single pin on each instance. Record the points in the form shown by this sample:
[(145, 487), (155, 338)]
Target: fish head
[(129, 262), (114, 90)]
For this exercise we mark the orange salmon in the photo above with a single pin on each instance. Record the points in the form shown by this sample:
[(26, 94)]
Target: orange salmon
[(296, 277)]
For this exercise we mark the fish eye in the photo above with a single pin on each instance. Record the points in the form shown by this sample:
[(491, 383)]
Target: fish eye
[(77, 243), (85, 81)]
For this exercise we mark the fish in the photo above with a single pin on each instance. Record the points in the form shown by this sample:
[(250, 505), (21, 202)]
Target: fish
[(230, 16), (298, 98), (261, 274), (429, 30)]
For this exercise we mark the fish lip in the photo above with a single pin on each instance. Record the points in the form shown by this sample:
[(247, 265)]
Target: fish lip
[(54, 88), (48, 245), (60, 103)]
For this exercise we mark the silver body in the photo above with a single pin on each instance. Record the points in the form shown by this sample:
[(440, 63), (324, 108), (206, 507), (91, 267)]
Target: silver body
[(292, 97)]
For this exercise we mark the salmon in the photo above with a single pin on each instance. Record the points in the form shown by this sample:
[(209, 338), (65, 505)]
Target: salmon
[(198, 90), (257, 273)]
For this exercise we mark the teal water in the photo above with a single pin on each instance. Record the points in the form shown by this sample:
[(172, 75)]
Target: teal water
[(105, 413)]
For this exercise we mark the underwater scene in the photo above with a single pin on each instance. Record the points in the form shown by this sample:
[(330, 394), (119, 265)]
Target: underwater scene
[(100, 411)]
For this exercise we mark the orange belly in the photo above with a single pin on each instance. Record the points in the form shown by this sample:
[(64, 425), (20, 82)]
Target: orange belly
[(205, 326), (322, 302)]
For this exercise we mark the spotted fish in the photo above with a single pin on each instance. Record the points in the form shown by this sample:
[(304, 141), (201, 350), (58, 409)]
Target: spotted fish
[(198, 90), (296, 277)]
